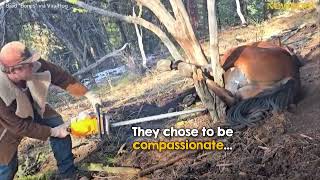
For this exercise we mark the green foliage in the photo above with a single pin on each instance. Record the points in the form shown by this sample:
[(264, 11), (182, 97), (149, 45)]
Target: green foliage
[(255, 11), (227, 12), (37, 37), (114, 34), (29, 168), (110, 159)]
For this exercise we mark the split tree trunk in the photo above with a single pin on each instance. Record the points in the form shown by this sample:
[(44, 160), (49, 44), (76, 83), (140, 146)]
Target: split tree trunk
[(179, 26)]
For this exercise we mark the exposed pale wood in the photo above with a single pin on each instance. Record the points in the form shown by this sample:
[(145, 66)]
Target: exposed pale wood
[(185, 36), (217, 70), (160, 11)]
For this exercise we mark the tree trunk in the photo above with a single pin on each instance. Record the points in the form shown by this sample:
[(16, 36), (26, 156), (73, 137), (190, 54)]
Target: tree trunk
[(139, 36), (214, 55), (121, 29), (179, 26), (243, 20)]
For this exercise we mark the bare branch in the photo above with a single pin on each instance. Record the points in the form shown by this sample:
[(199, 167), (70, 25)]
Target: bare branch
[(94, 65)]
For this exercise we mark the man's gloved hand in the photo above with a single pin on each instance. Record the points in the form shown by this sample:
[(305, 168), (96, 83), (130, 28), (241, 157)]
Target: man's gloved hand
[(60, 131), (93, 98)]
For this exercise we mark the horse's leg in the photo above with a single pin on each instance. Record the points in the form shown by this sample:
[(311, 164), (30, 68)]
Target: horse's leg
[(249, 91), (225, 95)]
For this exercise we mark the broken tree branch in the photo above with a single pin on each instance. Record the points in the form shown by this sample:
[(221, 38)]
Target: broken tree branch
[(94, 65)]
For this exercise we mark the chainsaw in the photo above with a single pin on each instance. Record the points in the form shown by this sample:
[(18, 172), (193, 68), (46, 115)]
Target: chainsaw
[(87, 124)]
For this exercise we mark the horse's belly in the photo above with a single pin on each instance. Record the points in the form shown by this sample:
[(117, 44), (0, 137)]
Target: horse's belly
[(240, 86), (234, 79)]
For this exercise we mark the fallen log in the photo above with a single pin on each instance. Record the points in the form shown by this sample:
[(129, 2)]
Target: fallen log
[(104, 58), (110, 170)]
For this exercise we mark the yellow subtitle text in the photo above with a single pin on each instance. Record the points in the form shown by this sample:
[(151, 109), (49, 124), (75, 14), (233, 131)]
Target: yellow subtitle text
[(178, 145)]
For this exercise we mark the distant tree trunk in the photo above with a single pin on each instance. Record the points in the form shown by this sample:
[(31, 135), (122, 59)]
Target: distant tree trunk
[(218, 17), (193, 13), (243, 20), (122, 32), (2, 26), (267, 12), (139, 36), (244, 7)]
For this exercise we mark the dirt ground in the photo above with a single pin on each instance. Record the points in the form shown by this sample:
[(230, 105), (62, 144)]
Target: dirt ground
[(286, 146)]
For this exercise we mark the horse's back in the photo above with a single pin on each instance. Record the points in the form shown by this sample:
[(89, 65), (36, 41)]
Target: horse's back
[(265, 64)]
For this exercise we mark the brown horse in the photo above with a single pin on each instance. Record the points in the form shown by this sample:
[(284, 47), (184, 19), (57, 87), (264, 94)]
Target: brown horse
[(259, 78), (254, 68)]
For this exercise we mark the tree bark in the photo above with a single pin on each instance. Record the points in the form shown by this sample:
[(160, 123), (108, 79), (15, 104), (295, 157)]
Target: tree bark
[(213, 44), (214, 56)]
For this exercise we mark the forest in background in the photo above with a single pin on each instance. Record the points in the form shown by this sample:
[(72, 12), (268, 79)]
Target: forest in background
[(73, 38)]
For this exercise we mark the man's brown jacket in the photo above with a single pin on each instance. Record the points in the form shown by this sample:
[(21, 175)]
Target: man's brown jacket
[(13, 128)]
